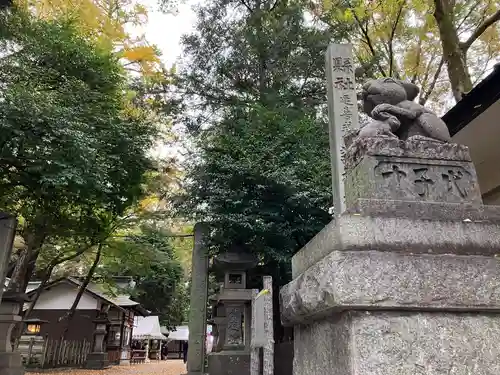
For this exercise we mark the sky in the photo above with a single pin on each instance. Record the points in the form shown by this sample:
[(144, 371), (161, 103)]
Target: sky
[(165, 30)]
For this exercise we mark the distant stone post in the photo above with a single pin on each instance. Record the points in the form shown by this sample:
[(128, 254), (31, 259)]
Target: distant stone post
[(198, 310), (406, 280), (263, 330), (254, 349), (268, 350)]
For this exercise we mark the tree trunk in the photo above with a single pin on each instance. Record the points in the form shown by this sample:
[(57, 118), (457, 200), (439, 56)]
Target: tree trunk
[(39, 290), (454, 55), (25, 264), (71, 313)]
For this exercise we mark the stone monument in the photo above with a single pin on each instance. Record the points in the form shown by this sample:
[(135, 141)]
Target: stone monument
[(198, 303), (232, 355), (405, 280)]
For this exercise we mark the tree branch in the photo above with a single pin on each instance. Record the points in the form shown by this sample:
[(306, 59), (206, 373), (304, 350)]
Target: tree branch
[(480, 30), (71, 312), (417, 62), (472, 8), (391, 38), (367, 39), (428, 92)]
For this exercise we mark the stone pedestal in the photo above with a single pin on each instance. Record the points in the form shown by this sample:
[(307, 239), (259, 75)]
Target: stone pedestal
[(10, 361), (97, 361), (405, 285), (229, 362)]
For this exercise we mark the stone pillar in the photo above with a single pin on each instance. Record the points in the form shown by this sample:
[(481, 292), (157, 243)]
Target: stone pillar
[(10, 303), (198, 310), (247, 324), (268, 350), (98, 358), (342, 113), (406, 281), (254, 351), (10, 361), (8, 225)]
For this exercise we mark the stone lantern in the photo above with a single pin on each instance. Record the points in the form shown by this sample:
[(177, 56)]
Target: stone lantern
[(233, 315), (31, 342), (98, 358), (10, 306)]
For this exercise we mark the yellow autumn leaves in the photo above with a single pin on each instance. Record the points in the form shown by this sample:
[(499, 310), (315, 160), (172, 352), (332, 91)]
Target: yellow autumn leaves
[(109, 24), (402, 38)]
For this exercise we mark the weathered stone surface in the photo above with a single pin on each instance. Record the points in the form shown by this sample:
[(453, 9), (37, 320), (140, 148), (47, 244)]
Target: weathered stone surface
[(11, 363), (342, 113), (468, 233), (387, 280), (234, 332), (229, 363), (414, 149), (436, 211), (198, 308), (268, 350), (390, 103), (399, 343), (383, 177), (234, 295), (413, 170)]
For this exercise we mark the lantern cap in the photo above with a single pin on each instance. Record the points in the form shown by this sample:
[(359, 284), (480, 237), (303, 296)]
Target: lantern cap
[(35, 321)]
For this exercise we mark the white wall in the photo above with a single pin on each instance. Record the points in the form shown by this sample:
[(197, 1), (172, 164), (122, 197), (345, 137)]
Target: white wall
[(62, 296), (481, 135)]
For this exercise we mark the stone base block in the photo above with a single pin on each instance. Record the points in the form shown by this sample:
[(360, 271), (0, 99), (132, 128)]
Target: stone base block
[(11, 364), (399, 343), (97, 361), (366, 280), (412, 227), (419, 170), (229, 363)]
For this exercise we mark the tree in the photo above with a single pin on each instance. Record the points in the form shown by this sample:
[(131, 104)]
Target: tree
[(73, 152), (260, 174), (149, 258), (481, 28), (106, 22), (402, 38)]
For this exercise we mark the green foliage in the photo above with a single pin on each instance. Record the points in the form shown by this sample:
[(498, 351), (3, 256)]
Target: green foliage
[(73, 153), (260, 174), (149, 258)]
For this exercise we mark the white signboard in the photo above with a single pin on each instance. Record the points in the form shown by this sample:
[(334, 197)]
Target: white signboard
[(259, 334)]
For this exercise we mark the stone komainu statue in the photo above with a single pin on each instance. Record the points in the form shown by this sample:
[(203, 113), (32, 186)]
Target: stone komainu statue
[(389, 102)]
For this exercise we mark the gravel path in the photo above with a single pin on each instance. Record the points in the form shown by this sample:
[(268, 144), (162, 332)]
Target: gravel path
[(170, 367)]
